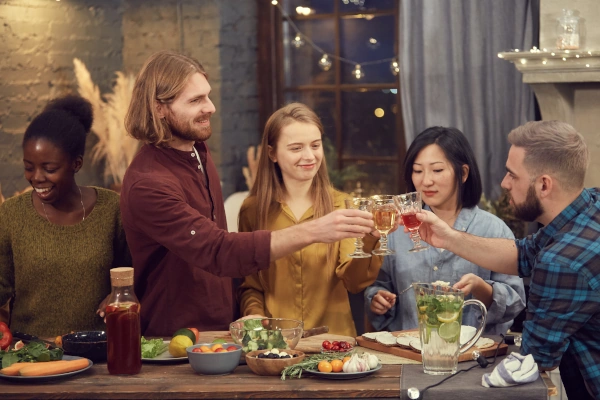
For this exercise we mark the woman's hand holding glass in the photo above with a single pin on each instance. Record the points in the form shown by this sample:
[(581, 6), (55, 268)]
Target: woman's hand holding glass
[(409, 204), (363, 204)]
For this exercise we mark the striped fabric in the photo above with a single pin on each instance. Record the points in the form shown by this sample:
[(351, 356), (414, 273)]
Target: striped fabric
[(563, 311)]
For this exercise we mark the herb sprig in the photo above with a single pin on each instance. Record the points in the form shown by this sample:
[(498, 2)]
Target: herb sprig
[(309, 363)]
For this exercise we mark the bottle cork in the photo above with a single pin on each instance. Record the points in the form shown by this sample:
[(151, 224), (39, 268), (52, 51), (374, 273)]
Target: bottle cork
[(122, 276)]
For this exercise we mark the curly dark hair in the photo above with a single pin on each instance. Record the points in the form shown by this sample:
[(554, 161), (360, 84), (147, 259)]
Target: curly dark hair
[(65, 122)]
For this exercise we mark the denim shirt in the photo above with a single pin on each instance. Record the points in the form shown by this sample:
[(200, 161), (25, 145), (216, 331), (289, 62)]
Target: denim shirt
[(402, 269)]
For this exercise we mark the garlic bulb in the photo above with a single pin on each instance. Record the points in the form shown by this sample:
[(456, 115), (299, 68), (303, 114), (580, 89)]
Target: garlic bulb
[(372, 360), (351, 365)]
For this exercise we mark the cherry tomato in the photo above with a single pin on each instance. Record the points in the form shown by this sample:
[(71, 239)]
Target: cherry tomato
[(335, 343), (335, 348), (197, 350), (327, 345), (343, 345), (231, 348), (325, 366), (337, 365)]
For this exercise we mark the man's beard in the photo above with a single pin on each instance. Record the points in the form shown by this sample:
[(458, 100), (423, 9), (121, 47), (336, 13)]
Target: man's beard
[(184, 131), (531, 208)]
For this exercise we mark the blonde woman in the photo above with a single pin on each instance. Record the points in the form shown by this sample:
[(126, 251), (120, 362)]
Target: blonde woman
[(292, 187)]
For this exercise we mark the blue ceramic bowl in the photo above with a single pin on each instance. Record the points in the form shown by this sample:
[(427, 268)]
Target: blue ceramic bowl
[(214, 363)]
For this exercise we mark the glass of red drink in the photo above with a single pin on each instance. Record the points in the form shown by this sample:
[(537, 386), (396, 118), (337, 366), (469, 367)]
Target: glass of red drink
[(409, 204)]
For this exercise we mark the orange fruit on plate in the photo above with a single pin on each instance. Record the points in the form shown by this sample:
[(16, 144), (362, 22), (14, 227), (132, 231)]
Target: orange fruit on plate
[(325, 366), (337, 365)]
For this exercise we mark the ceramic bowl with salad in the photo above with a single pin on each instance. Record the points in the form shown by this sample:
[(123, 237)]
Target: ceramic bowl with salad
[(266, 333)]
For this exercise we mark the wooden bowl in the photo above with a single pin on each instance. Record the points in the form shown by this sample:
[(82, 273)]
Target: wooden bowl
[(271, 366)]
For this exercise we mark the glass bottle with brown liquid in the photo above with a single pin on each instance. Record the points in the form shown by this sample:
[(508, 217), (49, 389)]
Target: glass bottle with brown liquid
[(124, 354)]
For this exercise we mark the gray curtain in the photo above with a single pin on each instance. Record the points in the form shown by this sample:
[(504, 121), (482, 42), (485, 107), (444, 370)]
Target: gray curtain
[(451, 74)]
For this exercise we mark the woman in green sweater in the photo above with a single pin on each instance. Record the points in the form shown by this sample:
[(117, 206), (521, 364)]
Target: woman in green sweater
[(58, 241)]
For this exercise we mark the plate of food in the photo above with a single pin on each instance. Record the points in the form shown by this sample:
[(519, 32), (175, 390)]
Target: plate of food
[(156, 351), (43, 371), (342, 375)]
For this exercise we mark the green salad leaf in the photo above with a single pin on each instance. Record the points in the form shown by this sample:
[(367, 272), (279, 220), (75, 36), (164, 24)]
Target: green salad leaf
[(31, 352), (153, 347), (253, 324)]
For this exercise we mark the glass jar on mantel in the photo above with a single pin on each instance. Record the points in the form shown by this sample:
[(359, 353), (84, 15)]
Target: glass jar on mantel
[(567, 31)]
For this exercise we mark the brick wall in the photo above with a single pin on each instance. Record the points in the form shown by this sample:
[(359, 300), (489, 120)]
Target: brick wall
[(221, 34), (39, 40), (41, 37)]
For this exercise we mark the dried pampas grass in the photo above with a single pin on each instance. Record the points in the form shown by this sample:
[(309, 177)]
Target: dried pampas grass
[(114, 146)]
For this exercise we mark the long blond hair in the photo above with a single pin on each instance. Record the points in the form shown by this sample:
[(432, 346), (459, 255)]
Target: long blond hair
[(269, 187), (162, 78)]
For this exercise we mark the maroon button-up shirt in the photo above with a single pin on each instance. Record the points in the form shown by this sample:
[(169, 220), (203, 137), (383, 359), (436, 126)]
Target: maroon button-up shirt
[(183, 256)]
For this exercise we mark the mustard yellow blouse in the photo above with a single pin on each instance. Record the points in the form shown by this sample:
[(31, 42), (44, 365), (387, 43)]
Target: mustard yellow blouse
[(303, 285)]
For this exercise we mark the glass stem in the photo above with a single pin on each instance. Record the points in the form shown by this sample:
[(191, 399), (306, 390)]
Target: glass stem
[(358, 244), (383, 241)]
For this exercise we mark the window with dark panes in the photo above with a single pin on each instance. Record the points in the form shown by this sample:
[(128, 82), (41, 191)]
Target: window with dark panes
[(337, 56)]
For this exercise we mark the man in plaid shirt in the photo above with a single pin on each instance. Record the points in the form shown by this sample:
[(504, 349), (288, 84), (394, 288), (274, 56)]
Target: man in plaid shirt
[(546, 168)]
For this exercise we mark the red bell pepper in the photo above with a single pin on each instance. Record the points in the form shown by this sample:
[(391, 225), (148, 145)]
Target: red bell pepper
[(5, 336)]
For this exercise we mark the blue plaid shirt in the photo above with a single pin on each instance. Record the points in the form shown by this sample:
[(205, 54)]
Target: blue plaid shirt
[(563, 311)]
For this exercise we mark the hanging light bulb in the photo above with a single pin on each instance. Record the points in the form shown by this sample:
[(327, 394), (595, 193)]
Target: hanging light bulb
[(298, 41), (358, 72), (274, 2), (395, 67), (325, 62)]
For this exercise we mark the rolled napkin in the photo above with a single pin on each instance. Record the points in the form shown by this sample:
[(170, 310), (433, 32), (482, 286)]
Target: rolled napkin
[(515, 369)]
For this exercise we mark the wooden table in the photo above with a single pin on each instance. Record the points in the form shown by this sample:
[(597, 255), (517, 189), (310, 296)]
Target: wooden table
[(180, 381)]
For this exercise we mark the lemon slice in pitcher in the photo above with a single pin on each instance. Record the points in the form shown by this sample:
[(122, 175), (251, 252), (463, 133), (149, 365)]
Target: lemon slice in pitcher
[(447, 316), (450, 332)]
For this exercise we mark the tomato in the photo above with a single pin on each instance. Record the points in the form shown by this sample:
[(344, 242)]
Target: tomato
[(196, 333), (335, 348), (220, 350), (343, 345), (337, 365), (335, 343), (232, 348), (197, 350), (325, 366), (346, 359), (326, 345), (5, 336)]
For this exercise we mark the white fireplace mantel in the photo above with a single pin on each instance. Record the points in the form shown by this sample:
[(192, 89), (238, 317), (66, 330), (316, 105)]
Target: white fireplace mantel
[(567, 87)]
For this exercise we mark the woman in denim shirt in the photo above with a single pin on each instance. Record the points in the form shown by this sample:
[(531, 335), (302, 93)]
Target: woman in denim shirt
[(440, 164)]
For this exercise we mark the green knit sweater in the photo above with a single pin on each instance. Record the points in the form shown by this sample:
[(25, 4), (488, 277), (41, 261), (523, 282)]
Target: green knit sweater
[(58, 275)]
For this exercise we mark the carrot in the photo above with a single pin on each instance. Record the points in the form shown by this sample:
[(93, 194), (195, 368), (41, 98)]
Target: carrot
[(54, 367), (14, 369)]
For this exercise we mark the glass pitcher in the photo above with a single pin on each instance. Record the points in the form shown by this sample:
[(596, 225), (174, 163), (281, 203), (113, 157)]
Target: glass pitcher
[(440, 310)]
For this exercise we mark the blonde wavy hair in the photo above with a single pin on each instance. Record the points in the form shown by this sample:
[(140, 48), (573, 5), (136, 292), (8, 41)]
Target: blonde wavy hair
[(162, 78), (269, 187), (554, 148)]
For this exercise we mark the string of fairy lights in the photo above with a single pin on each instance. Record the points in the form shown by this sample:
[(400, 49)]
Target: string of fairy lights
[(325, 62)]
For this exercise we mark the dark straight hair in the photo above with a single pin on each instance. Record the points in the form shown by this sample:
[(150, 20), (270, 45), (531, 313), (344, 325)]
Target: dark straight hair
[(458, 151)]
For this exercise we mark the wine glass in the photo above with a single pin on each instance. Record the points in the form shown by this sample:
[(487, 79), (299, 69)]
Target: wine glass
[(384, 216), (409, 204), (363, 204)]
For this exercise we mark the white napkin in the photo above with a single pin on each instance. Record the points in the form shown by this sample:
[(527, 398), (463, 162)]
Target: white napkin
[(515, 369)]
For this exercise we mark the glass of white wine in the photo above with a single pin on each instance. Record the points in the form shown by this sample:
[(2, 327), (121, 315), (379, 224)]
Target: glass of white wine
[(363, 204), (384, 216)]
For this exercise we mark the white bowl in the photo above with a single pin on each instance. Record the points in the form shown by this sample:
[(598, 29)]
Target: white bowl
[(466, 333)]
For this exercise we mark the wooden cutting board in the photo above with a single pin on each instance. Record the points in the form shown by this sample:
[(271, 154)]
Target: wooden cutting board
[(414, 355), (312, 344)]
